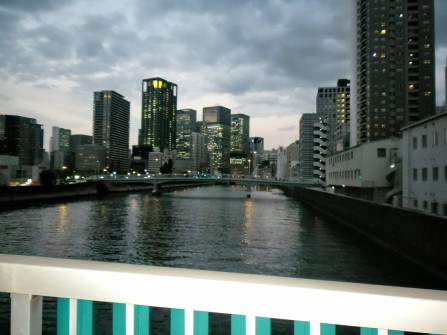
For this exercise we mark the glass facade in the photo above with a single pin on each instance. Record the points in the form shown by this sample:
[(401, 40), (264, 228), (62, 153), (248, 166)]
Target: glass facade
[(158, 119), (217, 130), (186, 124), (395, 74), (111, 124)]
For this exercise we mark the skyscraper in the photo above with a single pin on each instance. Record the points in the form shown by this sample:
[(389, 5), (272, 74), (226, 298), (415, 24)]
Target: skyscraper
[(186, 124), (79, 139), (393, 85), (335, 104), (60, 139), (23, 137), (240, 142), (198, 154), (60, 147), (217, 129), (158, 114), (312, 145), (445, 86), (111, 122)]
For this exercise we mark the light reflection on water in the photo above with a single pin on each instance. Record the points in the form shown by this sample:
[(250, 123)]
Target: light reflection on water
[(216, 228)]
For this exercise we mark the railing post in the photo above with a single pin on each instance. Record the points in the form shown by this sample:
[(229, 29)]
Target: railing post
[(26, 314)]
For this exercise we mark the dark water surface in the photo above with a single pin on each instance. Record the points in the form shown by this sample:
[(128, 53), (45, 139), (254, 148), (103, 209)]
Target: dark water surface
[(215, 228)]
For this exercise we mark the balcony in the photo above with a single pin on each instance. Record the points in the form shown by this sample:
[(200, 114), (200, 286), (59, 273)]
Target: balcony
[(251, 300)]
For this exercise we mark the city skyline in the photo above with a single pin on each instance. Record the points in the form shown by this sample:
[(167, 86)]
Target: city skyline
[(263, 61)]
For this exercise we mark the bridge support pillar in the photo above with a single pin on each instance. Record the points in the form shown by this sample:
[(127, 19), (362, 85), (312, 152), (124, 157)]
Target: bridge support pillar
[(248, 188), (156, 190)]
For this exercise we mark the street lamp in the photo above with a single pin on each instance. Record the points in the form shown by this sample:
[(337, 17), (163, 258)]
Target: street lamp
[(249, 168)]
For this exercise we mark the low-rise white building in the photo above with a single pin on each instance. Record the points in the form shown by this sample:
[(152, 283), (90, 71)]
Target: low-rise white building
[(425, 165), (366, 171)]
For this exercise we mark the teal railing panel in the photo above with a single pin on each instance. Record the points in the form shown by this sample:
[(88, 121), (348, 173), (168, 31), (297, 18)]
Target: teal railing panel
[(84, 322), (368, 331), (327, 329), (63, 316), (85, 317), (141, 320), (263, 326), (238, 324), (177, 321), (397, 332), (119, 319), (301, 328), (201, 323)]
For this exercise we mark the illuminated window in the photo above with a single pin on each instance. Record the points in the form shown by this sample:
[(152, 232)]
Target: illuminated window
[(411, 87)]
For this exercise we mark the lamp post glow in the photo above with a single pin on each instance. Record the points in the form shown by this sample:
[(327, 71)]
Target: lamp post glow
[(249, 168)]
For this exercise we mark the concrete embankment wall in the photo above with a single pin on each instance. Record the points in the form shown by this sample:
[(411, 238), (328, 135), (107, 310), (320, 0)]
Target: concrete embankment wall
[(30, 194), (415, 235), (27, 195)]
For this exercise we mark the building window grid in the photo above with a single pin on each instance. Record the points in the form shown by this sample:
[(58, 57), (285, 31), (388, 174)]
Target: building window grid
[(424, 141), (435, 173), (435, 138), (424, 174)]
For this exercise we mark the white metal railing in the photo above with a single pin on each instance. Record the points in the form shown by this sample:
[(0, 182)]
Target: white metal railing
[(317, 302)]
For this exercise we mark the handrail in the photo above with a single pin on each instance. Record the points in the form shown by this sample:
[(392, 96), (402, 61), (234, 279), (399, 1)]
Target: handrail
[(341, 303)]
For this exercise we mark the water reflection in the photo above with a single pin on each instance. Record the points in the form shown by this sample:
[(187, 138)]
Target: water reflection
[(215, 228)]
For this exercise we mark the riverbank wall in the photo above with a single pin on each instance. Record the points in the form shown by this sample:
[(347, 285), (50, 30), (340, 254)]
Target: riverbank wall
[(29, 195), (415, 235)]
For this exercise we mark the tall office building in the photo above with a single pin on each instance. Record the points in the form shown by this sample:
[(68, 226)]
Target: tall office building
[(60, 148), (186, 124), (240, 133), (23, 137), (312, 145), (158, 114), (335, 104), (445, 86), (257, 145), (111, 122), (60, 139), (240, 142), (217, 130), (198, 152), (256, 153), (79, 139), (394, 83)]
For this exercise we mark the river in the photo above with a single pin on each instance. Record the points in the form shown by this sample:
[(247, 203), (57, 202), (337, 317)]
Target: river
[(215, 228)]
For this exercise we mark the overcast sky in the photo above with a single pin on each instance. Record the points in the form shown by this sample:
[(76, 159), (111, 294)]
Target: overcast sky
[(262, 58)]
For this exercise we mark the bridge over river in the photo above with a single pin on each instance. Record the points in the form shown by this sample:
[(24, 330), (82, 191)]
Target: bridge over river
[(159, 182)]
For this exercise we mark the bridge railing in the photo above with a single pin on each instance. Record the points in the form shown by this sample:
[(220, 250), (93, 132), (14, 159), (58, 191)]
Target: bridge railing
[(252, 300)]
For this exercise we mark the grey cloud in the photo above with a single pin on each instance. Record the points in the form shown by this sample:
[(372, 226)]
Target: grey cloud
[(287, 128), (33, 6), (441, 22), (5, 98)]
